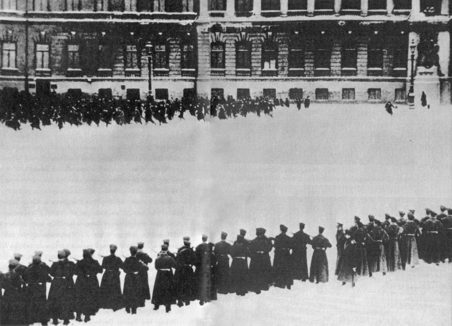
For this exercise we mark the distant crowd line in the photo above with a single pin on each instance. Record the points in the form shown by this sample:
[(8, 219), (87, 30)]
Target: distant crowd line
[(202, 272)]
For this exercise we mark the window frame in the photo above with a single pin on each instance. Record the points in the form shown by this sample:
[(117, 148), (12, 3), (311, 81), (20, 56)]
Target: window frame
[(243, 51), (217, 53), (270, 52), (41, 58), (7, 53), (160, 59), (128, 53)]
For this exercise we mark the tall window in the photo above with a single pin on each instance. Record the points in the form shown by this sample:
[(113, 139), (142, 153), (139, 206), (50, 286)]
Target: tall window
[(217, 55), (243, 6), (8, 4), (375, 54), (173, 5), (116, 5), (73, 53), (402, 4), (188, 58), (431, 7), (298, 4), (296, 54), (324, 4), (105, 56), (42, 56), (131, 57), (145, 5), (217, 5), (9, 52), (243, 55), (269, 55), (270, 5), (73, 5), (322, 55), (401, 53), (161, 56), (41, 5), (349, 56), (377, 4), (351, 4)]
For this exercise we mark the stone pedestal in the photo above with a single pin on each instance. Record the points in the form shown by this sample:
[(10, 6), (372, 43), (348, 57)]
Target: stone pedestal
[(427, 81)]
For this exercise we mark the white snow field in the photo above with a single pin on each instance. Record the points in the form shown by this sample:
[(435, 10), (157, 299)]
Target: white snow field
[(91, 186)]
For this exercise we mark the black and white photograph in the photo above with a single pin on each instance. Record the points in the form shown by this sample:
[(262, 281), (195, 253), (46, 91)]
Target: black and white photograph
[(226, 162)]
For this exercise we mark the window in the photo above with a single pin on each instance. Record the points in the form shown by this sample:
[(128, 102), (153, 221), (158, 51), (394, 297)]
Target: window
[(348, 94), (295, 93), (270, 5), (400, 53), (105, 56), (351, 5), (375, 54), (8, 4), (188, 56), (173, 5), (160, 56), (377, 4), (399, 95), (374, 93), (145, 5), (217, 55), (131, 57), (322, 55), (73, 5), (296, 54), (431, 7), (74, 92), (105, 93), (324, 5), (270, 93), (297, 4), (189, 93), (9, 55), (243, 55), (269, 55), (349, 57), (133, 94), (243, 93), (161, 93), (42, 56), (321, 94), (217, 92), (73, 52), (243, 6), (41, 5), (402, 4), (217, 5), (116, 5)]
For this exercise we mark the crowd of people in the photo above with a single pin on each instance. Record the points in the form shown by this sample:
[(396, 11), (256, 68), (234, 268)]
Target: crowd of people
[(19, 108), (201, 272)]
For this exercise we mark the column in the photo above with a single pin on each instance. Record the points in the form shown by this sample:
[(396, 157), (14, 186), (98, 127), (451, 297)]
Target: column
[(284, 7), (337, 7), (204, 8), (389, 7), (415, 7), (413, 38), (445, 7), (230, 8), (257, 7), (444, 51), (364, 7), (311, 7)]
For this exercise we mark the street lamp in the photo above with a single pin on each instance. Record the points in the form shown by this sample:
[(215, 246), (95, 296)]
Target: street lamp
[(411, 90), (149, 50)]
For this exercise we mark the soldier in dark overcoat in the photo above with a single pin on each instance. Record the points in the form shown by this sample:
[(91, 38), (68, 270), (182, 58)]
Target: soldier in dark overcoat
[(164, 289), (239, 266), (110, 296), (319, 263), (145, 260), (132, 282), (205, 276), (260, 271), (222, 272), (184, 276), (282, 262), (349, 260), (340, 244), (14, 305), (300, 260)]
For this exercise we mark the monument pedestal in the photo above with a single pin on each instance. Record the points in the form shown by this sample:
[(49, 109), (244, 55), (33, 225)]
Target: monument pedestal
[(427, 81)]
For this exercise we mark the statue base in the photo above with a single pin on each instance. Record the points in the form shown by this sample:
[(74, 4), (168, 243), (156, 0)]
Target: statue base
[(427, 81)]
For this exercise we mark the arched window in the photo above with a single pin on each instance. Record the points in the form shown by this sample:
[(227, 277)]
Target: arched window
[(173, 5), (269, 56), (217, 55), (243, 55)]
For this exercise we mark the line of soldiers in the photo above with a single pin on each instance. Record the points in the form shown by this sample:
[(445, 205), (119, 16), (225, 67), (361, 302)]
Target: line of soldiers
[(388, 246), (199, 273), (17, 108), (191, 274)]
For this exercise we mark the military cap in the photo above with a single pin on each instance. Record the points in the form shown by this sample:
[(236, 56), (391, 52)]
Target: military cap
[(394, 220), (91, 251), (166, 241), (371, 218), (410, 217), (186, 239), (340, 224), (204, 237), (401, 213), (242, 232), (67, 252), (357, 219), (302, 225), (260, 231), (240, 238), (224, 235), (133, 250), (410, 214), (442, 208), (387, 216), (61, 254), (283, 228), (17, 256), (36, 259), (432, 213), (140, 245), (38, 253), (13, 263), (428, 211), (411, 211), (321, 229), (449, 211), (113, 247), (164, 247)]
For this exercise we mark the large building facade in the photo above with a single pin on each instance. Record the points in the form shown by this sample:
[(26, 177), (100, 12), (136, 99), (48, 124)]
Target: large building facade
[(329, 50)]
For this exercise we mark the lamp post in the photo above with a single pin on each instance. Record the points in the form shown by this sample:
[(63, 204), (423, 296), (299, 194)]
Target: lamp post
[(411, 90), (149, 50)]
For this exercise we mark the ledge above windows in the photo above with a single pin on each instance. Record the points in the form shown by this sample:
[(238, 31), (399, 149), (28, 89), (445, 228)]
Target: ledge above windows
[(43, 72), (270, 72), (188, 72), (161, 72), (217, 72), (243, 71), (296, 72)]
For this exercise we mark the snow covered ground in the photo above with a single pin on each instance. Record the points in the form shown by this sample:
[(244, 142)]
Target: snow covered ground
[(89, 187)]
